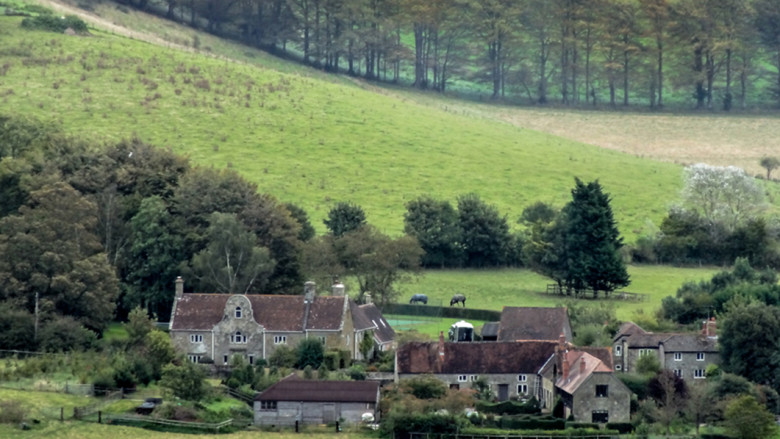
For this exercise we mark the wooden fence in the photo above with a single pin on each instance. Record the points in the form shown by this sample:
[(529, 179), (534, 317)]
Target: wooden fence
[(83, 411), (140, 419), (588, 293)]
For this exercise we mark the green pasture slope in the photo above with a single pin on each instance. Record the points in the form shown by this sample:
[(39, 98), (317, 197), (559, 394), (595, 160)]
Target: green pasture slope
[(307, 138)]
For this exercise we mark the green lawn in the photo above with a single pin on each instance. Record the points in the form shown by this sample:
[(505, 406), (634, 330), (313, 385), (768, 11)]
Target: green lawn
[(494, 289)]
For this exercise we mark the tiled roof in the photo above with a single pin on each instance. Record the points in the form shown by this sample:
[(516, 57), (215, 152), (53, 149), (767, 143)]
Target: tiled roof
[(526, 323), (672, 341), (474, 358), (293, 388), (581, 366), (274, 312), (602, 354), (372, 318)]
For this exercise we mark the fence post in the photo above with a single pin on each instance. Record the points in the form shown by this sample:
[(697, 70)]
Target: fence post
[(62, 414), (296, 426), (100, 416)]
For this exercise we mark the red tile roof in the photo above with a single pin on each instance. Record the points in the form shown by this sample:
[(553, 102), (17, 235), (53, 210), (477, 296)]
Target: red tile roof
[(476, 358), (581, 366), (293, 388)]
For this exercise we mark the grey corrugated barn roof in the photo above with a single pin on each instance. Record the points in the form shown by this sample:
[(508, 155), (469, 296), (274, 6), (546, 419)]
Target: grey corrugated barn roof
[(293, 388)]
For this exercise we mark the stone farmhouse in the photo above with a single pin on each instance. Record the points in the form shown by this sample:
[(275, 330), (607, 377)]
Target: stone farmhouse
[(221, 326), (583, 377), (316, 402), (688, 355)]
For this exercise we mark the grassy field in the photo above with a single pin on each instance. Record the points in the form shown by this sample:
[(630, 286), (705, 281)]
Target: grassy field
[(494, 289), (310, 140)]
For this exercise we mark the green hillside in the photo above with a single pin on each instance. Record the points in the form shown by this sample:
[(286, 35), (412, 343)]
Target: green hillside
[(306, 139)]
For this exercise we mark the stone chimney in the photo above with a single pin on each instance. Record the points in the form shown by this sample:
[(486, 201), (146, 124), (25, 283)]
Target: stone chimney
[(367, 298), (179, 287), (309, 291), (441, 350), (337, 289)]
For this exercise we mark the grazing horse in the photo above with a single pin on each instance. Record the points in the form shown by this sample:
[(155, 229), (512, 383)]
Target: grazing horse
[(458, 298), (417, 298)]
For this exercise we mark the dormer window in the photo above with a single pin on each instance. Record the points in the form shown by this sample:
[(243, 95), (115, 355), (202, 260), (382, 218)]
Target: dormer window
[(238, 312)]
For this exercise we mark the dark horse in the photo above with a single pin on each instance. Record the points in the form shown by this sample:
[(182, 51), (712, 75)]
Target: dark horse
[(458, 298), (417, 298)]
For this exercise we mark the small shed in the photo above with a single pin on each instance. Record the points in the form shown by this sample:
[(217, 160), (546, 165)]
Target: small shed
[(461, 331), (316, 402)]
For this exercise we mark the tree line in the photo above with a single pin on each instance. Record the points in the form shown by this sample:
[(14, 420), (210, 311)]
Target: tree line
[(702, 53)]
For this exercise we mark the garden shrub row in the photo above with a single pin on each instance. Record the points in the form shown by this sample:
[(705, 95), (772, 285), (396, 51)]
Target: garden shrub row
[(573, 433), (442, 311), (509, 407), (527, 422)]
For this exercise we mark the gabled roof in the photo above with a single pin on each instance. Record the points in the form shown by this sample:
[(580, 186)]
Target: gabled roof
[(273, 312), (490, 330), (293, 388), (474, 358), (526, 323), (581, 366), (368, 317), (672, 341)]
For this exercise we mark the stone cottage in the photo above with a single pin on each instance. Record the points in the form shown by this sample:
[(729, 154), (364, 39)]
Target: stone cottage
[(686, 354), (316, 402), (220, 326)]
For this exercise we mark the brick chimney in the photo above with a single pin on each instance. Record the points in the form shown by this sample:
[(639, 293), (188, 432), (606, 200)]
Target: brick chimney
[(565, 365), (710, 328), (179, 287), (582, 365)]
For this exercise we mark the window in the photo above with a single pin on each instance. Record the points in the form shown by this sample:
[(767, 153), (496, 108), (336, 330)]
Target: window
[(699, 374), (267, 405), (678, 373), (251, 359), (280, 339), (225, 359), (522, 378), (618, 367), (473, 377), (522, 389), (599, 417), (323, 339), (238, 337), (643, 352), (699, 356), (678, 356), (238, 312), (602, 391), (618, 350), (196, 338), (462, 378), (194, 358)]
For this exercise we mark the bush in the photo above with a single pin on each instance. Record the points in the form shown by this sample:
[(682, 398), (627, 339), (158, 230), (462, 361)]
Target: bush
[(357, 373), (283, 356), (622, 427), (400, 425), (510, 407), (582, 426), (55, 23), (526, 422), (11, 412)]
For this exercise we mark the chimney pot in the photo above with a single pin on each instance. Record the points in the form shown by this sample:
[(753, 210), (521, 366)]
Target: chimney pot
[(309, 291), (582, 365)]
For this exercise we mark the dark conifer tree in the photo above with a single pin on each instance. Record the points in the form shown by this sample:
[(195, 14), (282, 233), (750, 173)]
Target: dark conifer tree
[(592, 241)]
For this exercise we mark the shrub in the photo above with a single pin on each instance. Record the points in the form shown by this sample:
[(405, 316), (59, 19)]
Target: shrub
[(11, 412), (283, 356), (509, 407), (622, 427), (55, 23), (357, 373)]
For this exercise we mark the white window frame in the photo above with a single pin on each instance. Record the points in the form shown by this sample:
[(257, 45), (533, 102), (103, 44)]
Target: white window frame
[(699, 374), (238, 312), (462, 378), (699, 356), (522, 389), (280, 339), (678, 356), (226, 359), (196, 338), (678, 373), (238, 337), (522, 378), (323, 339), (194, 358), (473, 378), (618, 350)]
